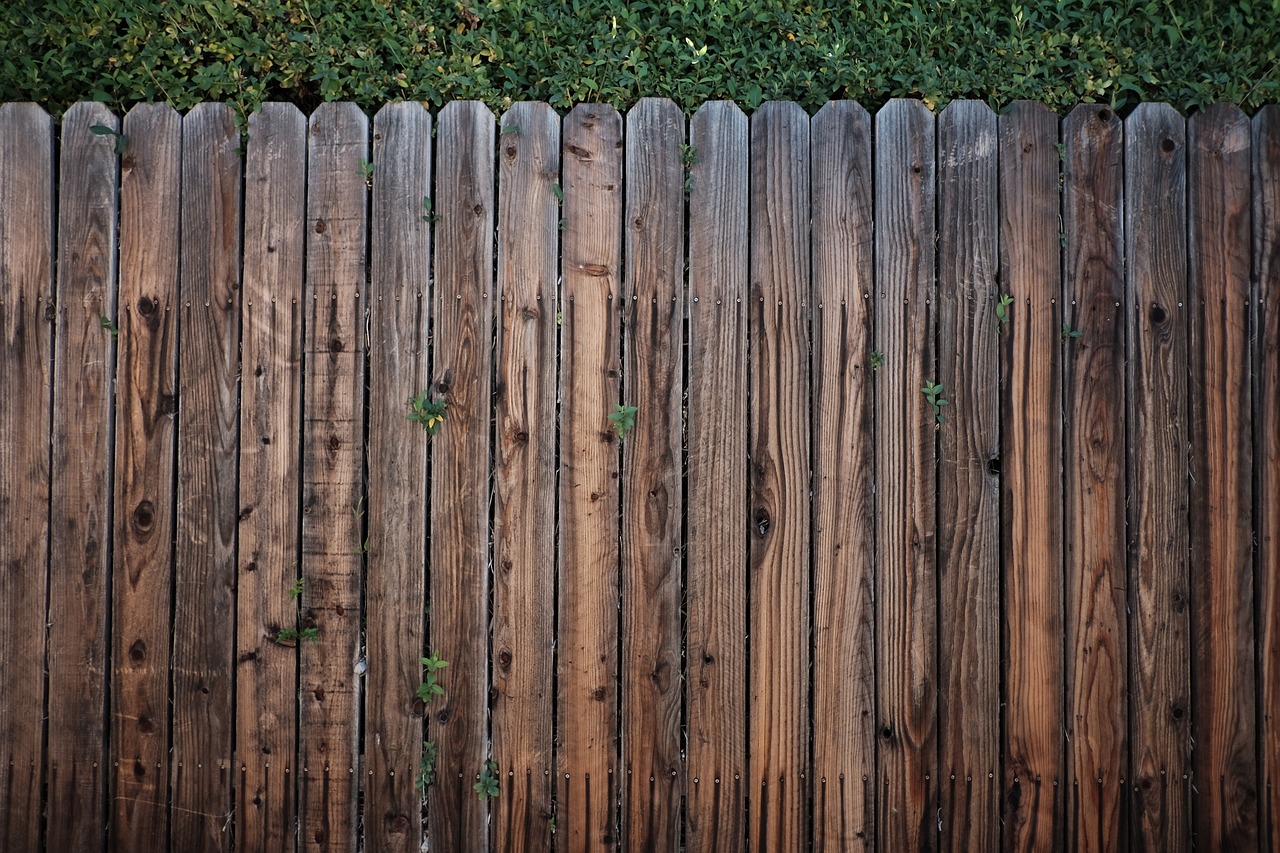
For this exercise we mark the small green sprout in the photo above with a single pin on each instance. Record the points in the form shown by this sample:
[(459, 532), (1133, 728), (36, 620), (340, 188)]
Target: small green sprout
[(877, 359), (1069, 333), (426, 766), (486, 787), (294, 634), (427, 215), (365, 170), (429, 688), (1002, 311), (122, 141), (623, 419), (295, 590), (933, 393), (111, 327), (428, 412)]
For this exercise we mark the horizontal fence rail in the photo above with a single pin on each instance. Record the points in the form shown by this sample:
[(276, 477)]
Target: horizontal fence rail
[(779, 482)]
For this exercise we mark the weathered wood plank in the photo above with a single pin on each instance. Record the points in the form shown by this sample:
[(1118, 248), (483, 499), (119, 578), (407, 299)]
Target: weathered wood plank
[(844, 737), (589, 389), (1221, 516), (397, 503), (968, 484), (462, 360), (1156, 243), (716, 436), (1031, 456), (146, 394), (80, 522), (1094, 484), (208, 437), (652, 497), (906, 617), (26, 339), (270, 478), (333, 538), (525, 476)]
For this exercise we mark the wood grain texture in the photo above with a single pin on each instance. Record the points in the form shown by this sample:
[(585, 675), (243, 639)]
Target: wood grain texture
[(1156, 244), (1221, 517), (333, 536), (396, 508), (1031, 487), (968, 482), (270, 478), (906, 457), (26, 340), (524, 548), (652, 494), (146, 403), (587, 649), (716, 437), (462, 361), (842, 421), (80, 513), (1094, 484)]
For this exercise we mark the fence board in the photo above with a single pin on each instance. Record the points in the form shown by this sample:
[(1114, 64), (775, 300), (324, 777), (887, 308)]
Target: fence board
[(652, 495), (80, 514), (716, 437), (270, 478), (26, 339), (587, 715), (1221, 520), (1156, 242), (906, 661), (396, 508), (842, 419), (968, 485), (778, 501), (146, 393), (1031, 448), (525, 476), (1094, 485), (206, 520), (462, 362)]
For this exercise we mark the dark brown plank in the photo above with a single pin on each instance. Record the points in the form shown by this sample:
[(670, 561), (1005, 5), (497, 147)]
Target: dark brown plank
[(1094, 486), (1031, 456), (1156, 243), (208, 426), (906, 617), (652, 498), (844, 737), (397, 507), (968, 484), (146, 388), (462, 360), (587, 648), (716, 436), (26, 338), (333, 538), (270, 427), (80, 523), (1221, 517), (778, 549), (524, 475)]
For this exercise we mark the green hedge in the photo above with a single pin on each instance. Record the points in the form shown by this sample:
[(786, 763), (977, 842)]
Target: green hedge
[(1189, 53)]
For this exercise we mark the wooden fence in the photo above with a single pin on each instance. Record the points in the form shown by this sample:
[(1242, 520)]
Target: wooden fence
[(949, 519)]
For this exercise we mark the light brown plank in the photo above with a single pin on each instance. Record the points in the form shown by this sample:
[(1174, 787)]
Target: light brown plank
[(1094, 485), (844, 738), (652, 497), (333, 538), (906, 663), (397, 506), (146, 403), (1221, 515), (1031, 456), (83, 364), (778, 549), (968, 484), (525, 476), (270, 430), (1156, 243), (26, 339), (462, 360), (716, 436), (587, 653)]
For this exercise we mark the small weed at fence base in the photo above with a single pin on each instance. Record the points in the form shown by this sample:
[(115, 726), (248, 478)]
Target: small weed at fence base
[(428, 412), (486, 787), (623, 419)]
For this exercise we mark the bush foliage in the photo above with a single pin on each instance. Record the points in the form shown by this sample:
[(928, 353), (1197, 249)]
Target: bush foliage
[(1187, 52)]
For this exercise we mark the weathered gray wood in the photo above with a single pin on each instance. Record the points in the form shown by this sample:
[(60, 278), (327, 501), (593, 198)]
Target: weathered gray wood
[(716, 436)]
